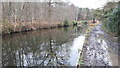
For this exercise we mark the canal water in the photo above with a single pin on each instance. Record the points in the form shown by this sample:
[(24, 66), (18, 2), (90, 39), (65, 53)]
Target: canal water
[(49, 47)]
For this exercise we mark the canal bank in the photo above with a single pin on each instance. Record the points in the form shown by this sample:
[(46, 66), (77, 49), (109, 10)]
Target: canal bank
[(100, 49), (10, 29)]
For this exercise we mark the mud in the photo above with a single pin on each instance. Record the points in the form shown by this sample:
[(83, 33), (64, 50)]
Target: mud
[(101, 49)]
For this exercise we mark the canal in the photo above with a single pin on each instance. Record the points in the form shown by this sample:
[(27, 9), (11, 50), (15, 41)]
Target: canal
[(49, 47)]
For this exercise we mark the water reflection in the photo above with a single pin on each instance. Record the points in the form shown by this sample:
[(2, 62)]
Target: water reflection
[(54, 47)]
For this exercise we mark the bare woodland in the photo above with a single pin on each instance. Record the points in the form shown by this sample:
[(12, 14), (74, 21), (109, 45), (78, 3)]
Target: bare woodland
[(25, 16)]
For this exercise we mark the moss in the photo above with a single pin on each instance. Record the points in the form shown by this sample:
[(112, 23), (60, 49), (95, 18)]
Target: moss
[(80, 62)]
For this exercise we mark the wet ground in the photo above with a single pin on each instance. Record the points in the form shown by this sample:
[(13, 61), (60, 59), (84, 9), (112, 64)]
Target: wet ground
[(101, 49)]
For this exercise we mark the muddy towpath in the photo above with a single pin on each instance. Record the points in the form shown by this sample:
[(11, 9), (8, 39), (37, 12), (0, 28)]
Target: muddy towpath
[(101, 49)]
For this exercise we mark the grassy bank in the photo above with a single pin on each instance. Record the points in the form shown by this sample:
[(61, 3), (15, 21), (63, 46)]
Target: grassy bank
[(9, 28)]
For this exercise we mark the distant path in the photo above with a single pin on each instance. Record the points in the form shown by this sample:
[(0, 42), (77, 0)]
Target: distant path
[(100, 50)]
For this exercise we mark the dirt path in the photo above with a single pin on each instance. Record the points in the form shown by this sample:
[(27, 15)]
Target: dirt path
[(100, 50)]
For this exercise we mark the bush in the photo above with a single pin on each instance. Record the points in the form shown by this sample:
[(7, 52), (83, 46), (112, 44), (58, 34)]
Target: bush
[(74, 22), (66, 23), (112, 21), (84, 22), (59, 25)]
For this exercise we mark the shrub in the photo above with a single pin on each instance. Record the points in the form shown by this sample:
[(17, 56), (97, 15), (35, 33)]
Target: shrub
[(74, 22), (112, 21), (66, 23), (84, 22)]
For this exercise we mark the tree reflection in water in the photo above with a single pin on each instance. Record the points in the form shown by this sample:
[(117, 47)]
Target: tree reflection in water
[(39, 48)]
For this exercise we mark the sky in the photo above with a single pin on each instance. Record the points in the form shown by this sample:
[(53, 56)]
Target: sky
[(92, 4)]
